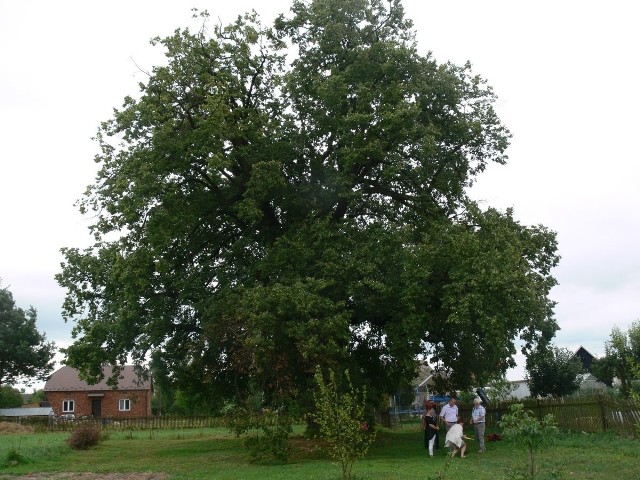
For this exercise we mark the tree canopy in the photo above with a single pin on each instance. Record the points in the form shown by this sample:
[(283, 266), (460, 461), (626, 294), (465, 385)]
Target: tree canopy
[(283, 197), (10, 397), (553, 372), (24, 352), (621, 360)]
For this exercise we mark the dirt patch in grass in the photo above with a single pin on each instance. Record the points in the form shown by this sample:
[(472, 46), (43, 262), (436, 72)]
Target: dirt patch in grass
[(86, 476), (307, 448)]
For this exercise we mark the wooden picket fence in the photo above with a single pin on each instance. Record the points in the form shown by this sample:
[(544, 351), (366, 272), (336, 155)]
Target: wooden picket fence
[(589, 414), (597, 413), (579, 414), (168, 422)]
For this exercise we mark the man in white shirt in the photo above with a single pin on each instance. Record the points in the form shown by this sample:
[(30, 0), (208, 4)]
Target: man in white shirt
[(478, 418), (449, 414)]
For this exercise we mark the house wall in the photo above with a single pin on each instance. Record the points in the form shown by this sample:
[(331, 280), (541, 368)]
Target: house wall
[(140, 402), (520, 389)]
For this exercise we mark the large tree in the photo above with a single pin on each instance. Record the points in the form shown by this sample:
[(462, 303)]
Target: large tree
[(10, 397), (622, 358), (554, 372), (258, 215), (25, 354)]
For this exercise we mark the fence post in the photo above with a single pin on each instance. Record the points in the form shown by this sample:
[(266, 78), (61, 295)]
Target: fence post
[(539, 409), (603, 415)]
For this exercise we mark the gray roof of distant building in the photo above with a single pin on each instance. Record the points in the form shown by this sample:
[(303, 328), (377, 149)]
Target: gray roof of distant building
[(26, 412)]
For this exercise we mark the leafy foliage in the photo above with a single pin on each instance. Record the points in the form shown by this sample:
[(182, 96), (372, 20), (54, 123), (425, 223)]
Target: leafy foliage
[(24, 352), (257, 215), (267, 431), (604, 369), (10, 397), (164, 395), (523, 427), (621, 360), (553, 371), (270, 438), (38, 396), (341, 415), (500, 388)]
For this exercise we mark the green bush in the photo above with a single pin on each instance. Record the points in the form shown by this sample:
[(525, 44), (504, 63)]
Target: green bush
[(268, 433), (10, 397), (341, 416), (84, 437)]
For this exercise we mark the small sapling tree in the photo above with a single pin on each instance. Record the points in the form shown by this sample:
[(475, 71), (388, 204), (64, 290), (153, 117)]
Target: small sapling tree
[(524, 428), (340, 413)]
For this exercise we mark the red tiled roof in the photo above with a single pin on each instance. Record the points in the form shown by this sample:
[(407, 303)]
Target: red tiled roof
[(66, 379)]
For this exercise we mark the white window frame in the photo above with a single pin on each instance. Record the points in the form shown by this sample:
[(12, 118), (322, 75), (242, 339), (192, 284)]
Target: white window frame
[(68, 406), (124, 405)]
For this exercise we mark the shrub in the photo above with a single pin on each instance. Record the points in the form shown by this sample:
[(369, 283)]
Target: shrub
[(341, 417), (268, 433), (271, 438), (84, 437)]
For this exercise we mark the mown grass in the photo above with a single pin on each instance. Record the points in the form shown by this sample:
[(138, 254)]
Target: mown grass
[(396, 455)]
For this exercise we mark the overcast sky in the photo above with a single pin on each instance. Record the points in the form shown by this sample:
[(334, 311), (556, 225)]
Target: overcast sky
[(566, 73)]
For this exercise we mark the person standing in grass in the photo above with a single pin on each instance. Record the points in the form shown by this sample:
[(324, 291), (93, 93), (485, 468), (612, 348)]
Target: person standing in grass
[(478, 415), (430, 427), (449, 414)]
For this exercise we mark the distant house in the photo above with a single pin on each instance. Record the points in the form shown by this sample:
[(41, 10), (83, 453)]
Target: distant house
[(422, 385), (424, 388), (520, 389), (69, 395), (585, 357), (588, 384)]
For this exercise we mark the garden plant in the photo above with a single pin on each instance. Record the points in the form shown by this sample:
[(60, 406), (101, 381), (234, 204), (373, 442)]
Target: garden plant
[(524, 428)]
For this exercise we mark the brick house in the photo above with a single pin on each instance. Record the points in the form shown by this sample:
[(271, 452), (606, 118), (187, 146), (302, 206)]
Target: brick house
[(69, 395)]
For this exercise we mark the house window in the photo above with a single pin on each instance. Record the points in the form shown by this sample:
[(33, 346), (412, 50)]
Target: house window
[(68, 406), (124, 405)]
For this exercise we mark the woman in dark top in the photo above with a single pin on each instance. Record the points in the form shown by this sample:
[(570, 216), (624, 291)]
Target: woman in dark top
[(430, 427)]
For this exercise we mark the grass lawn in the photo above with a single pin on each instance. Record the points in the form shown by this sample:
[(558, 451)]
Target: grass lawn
[(396, 455)]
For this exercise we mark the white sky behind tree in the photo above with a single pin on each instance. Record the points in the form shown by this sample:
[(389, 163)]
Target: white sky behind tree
[(566, 75)]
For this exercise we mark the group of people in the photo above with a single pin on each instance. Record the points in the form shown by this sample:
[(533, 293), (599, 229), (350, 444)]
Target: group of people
[(453, 425)]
